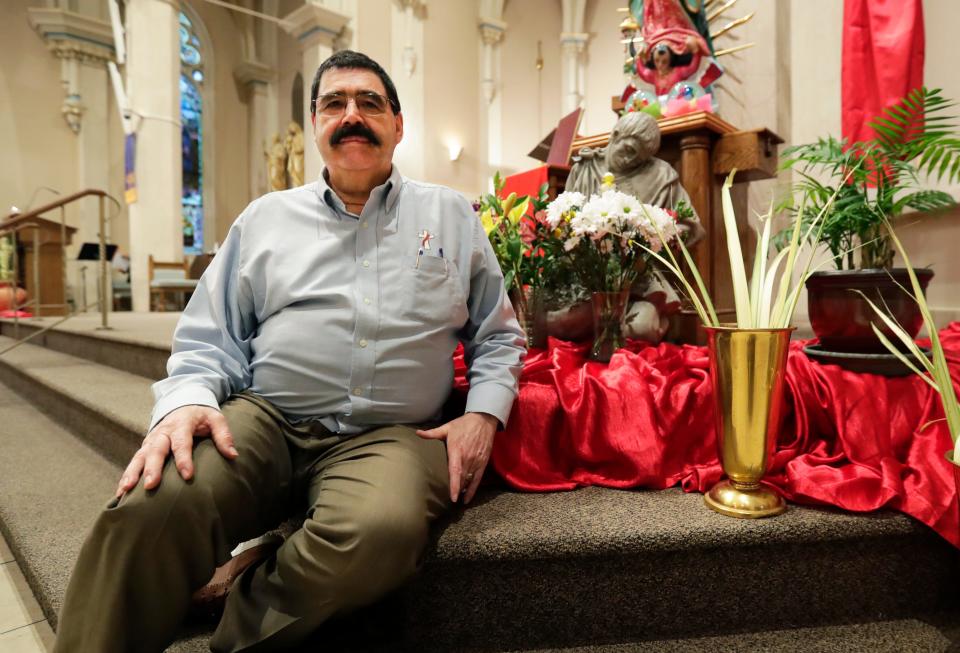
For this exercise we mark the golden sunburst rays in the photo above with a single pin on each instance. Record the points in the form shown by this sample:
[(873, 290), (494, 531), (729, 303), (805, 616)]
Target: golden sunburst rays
[(733, 24), (728, 30), (719, 11), (736, 48)]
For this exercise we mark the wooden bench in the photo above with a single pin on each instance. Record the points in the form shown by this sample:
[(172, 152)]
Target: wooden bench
[(170, 285)]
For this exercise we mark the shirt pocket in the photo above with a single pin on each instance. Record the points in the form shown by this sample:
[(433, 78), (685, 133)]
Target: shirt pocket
[(433, 294)]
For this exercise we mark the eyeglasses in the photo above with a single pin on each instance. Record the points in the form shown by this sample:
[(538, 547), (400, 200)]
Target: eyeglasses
[(368, 103)]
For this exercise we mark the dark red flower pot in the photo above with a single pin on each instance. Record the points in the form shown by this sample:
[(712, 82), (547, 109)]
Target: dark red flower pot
[(841, 318)]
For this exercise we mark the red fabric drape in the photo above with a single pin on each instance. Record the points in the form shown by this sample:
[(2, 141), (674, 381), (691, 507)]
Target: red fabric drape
[(646, 420), (525, 183), (883, 48)]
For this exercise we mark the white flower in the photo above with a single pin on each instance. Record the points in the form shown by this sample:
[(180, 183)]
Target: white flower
[(597, 215), (609, 212), (627, 207), (652, 219), (564, 203), (571, 243)]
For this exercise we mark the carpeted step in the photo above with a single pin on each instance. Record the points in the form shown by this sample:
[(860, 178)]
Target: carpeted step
[(895, 636), (107, 407), (516, 571), (52, 487), (136, 343)]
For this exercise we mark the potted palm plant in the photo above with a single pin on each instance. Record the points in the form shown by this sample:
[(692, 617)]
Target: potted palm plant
[(872, 181)]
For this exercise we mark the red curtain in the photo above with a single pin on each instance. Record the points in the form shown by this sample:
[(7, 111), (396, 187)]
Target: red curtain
[(883, 46), (525, 183)]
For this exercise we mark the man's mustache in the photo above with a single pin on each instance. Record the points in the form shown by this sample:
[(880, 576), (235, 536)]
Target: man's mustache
[(353, 129)]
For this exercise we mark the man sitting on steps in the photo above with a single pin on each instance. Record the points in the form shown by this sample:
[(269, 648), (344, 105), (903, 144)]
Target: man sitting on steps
[(317, 341)]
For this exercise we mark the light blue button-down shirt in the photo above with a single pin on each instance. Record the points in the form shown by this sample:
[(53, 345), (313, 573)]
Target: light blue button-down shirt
[(339, 317)]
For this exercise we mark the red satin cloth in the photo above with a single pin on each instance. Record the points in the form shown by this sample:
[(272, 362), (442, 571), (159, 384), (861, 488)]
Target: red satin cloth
[(646, 420), (881, 61)]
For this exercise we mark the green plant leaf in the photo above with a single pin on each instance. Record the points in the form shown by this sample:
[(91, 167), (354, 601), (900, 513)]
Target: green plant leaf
[(741, 291)]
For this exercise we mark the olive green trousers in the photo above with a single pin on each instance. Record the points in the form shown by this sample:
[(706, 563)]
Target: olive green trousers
[(369, 501)]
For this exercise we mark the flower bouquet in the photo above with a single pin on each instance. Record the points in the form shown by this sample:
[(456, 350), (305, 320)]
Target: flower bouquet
[(517, 240), (606, 239)]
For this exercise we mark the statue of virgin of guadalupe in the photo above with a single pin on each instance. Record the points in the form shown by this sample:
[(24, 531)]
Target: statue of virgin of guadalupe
[(675, 40)]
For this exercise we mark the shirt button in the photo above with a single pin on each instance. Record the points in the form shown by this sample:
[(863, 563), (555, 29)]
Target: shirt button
[(366, 264), (358, 391), (363, 343), (364, 224), (366, 300)]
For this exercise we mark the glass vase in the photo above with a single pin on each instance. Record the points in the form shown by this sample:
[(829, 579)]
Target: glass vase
[(608, 312), (532, 314)]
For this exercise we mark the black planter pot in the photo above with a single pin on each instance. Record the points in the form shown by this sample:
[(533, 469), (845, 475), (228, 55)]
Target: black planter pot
[(842, 319)]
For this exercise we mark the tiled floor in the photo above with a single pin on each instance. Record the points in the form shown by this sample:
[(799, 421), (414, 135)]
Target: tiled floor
[(22, 626)]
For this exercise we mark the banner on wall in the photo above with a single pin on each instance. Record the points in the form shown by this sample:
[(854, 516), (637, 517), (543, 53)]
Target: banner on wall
[(130, 168), (883, 49)]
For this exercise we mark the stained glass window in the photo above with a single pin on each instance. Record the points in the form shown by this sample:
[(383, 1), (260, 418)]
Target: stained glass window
[(191, 131)]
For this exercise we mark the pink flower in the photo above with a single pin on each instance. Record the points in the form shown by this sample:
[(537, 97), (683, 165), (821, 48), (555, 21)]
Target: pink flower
[(528, 230)]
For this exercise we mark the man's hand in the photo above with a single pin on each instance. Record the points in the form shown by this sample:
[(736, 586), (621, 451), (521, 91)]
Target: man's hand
[(175, 433), (469, 442)]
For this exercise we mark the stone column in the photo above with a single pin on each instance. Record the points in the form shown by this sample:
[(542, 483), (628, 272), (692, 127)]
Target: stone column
[(573, 41), (407, 66), (572, 46), (153, 73), (256, 78), (491, 34), (83, 44), (316, 28)]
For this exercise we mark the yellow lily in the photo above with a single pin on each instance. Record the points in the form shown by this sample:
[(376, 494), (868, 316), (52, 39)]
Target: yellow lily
[(489, 220), (518, 211)]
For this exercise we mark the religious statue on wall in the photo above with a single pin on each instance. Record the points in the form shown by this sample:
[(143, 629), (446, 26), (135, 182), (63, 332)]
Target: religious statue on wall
[(630, 157), (276, 157), (285, 159), (669, 47), (294, 147)]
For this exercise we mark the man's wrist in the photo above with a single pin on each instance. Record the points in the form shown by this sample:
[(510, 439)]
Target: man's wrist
[(491, 420)]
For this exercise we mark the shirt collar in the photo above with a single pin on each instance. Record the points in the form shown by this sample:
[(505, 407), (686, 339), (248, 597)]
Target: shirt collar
[(387, 192)]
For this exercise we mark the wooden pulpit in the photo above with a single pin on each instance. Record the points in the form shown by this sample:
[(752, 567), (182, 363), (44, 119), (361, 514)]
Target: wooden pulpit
[(703, 149), (40, 242)]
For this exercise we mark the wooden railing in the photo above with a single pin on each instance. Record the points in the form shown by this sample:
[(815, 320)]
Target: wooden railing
[(16, 222)]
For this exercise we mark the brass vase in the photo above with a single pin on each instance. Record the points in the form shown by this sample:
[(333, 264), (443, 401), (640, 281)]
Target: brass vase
[(747, 368)]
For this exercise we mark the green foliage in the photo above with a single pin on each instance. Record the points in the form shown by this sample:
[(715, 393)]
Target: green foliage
[(876, 179), (761, 302), (516, 235), (6, 258), (936, 372)]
